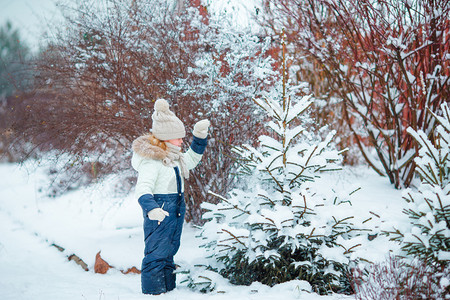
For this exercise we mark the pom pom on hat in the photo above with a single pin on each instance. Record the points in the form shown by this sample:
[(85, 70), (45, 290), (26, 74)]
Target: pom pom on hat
[(162, 105), (166, 126)]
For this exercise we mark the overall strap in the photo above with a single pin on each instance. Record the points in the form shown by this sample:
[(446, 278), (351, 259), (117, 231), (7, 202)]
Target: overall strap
[(180, 194)]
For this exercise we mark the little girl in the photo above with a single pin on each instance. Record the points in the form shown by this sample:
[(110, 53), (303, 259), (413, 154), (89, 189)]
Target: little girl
[(161, 171)]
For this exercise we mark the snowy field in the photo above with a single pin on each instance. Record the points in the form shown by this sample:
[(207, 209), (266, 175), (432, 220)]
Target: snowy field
[(90, 220)]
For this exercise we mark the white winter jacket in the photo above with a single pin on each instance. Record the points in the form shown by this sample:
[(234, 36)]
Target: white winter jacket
[(154, 177)]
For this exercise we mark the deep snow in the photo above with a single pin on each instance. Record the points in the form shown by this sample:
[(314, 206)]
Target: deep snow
[(93, 219)]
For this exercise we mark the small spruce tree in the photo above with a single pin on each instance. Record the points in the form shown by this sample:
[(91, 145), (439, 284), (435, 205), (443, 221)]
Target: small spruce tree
[(279, 225), (429, 204)]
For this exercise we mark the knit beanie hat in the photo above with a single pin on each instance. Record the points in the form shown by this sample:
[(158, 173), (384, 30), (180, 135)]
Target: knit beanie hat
[(166, 126)]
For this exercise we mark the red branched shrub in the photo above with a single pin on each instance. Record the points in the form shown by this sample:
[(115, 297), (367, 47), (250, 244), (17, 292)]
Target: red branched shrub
[(95, 85), (401, 280), (387, 61), (97, 82)]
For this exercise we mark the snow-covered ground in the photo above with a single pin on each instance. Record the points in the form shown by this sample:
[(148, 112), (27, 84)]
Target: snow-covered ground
[(93, 219)]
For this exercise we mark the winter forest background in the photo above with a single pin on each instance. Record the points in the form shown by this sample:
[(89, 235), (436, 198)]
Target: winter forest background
[(317, 107)]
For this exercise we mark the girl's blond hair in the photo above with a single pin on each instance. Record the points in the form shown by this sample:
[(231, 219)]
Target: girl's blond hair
[(156, 142)]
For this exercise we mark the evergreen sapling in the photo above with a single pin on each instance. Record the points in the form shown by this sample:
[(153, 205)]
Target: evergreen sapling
[(280, 225), (422, 271), (429, 204)]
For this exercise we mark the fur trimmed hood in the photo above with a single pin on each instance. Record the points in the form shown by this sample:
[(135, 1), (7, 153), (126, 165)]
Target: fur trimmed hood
[(149, 147), (146, 146), (155, 166)]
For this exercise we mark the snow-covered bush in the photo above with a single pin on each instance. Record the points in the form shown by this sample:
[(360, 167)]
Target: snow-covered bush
[(429, 204), (428, 239), (280, 225), (399, 279), (200, 278), (386, 60), (97, 80), (234, 68), (112, 59)]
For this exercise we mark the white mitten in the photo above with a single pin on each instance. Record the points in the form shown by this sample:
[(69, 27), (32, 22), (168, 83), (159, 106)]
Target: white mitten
[(201, 129), (157, 214)]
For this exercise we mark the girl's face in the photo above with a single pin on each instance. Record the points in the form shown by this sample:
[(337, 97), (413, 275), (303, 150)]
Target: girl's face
[(176, 142)]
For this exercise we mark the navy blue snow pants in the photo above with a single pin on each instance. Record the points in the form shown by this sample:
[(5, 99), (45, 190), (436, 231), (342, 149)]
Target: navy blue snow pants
[(161, 244)]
